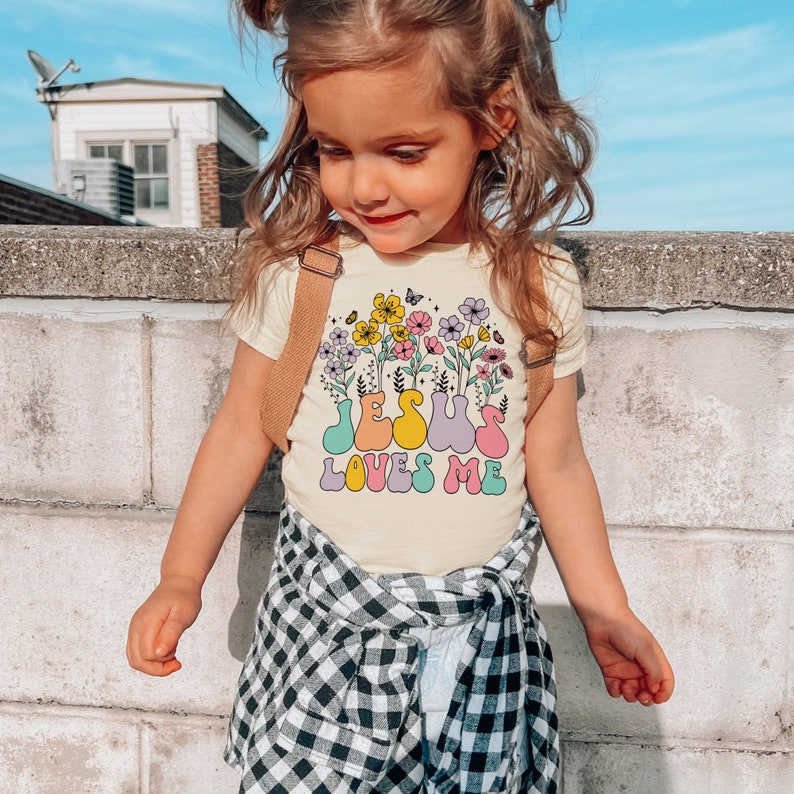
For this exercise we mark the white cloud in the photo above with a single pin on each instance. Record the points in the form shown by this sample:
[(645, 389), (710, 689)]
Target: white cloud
[(129, 9), (733, 83), (17, 89)]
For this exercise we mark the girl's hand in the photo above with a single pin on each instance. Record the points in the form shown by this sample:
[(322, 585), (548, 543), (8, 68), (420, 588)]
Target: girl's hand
[(158, 624), (631, 660)]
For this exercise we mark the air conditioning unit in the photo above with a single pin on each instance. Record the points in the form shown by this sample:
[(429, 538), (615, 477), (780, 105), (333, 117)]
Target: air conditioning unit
[(101, 182)]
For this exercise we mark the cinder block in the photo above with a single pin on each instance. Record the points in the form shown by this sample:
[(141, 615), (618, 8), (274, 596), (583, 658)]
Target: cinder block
[(634, 769), (719, 604), (46, 752), (71, 413), (190, 372), (188, 758), (692, 428), (77, 577)]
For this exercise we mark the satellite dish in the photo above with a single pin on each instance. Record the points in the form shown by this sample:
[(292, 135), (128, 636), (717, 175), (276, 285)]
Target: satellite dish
[(48, 74)]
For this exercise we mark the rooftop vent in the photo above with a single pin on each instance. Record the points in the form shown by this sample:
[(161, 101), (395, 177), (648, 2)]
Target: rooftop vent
[(101, 182)]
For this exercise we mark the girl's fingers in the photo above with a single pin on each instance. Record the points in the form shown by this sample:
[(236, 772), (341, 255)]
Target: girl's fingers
[(613, 687), (662, 695)]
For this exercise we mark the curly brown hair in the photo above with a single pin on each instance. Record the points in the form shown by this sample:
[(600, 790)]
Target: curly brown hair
[(520, 193)]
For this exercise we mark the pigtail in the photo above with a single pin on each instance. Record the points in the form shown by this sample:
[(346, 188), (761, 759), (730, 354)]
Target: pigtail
[(541, 6), (262, 14)]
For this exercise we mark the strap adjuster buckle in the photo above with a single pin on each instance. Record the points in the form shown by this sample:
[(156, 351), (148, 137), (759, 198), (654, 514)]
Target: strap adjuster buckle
[(524, 356), (324, 252)]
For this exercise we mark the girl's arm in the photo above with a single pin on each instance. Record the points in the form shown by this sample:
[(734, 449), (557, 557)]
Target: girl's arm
[(565, 496), (228, 464)]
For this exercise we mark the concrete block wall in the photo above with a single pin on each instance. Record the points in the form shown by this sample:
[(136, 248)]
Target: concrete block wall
[(112, 363)]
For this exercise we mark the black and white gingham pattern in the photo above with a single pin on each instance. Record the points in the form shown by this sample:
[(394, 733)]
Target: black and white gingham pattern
[(328, 698)]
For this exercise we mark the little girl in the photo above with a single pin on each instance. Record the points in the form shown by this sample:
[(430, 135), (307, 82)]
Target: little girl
[(397, 647)]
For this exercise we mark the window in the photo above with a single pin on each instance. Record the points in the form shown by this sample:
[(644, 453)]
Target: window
[(150, 161), (112, 150)]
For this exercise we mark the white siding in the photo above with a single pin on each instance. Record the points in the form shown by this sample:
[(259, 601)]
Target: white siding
[(237, 137), (182, 124)]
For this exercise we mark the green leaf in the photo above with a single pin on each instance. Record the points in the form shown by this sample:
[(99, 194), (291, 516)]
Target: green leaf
[(381, 355), (478, 353), (497, 390), (449, 363), (486, 388), (465, 363), (408, 371), (426, 368), (350, 379), (471, 380), (339, 388), (451, 350)]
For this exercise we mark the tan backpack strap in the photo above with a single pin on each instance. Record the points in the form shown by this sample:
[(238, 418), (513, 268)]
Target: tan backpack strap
[(319, 268), (539, 366)]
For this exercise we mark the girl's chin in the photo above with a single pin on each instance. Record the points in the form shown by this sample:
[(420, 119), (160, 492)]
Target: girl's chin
[(391, 243)]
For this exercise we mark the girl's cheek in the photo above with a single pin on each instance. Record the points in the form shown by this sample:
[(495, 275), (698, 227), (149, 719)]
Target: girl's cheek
[(329, 184)]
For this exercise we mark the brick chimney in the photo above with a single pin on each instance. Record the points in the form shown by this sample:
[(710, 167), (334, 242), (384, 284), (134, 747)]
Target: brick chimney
[(209, 185)]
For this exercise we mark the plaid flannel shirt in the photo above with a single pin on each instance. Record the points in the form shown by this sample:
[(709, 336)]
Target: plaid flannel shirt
[(328, 697)]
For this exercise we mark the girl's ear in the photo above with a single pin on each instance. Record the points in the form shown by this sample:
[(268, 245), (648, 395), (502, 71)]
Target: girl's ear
[(502, 117)]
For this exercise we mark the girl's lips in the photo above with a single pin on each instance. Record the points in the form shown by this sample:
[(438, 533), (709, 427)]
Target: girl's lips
[(385, 220)]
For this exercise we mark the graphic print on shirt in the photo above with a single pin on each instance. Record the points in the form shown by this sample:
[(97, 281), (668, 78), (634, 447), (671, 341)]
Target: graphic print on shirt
[(417, 399)]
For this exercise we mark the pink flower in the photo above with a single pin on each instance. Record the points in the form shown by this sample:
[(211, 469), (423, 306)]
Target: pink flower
[(433, 345), (506, 370), (493, 355), (482, 371), (404, 350), (419, 323)]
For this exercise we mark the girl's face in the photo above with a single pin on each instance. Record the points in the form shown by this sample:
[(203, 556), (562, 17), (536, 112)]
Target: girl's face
[(394, 162)]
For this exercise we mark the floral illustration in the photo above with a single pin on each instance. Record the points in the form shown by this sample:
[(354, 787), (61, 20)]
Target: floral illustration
[(339, 356), (493, 373), (457, 349)]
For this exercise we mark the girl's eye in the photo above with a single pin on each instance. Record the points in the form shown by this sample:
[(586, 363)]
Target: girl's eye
[(333, 152), (409, 155)]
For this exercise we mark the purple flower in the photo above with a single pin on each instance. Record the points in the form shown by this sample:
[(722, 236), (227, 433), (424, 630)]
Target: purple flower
[(338, 337), (474, 310), (334, 369), (327, 350), (450, 328), (350, 353)]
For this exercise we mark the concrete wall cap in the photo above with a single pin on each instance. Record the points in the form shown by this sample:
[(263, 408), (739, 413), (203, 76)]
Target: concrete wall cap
[(658, 270)]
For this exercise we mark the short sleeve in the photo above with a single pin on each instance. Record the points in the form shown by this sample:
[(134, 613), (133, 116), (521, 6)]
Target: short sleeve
[(266, 327), (564, 293)]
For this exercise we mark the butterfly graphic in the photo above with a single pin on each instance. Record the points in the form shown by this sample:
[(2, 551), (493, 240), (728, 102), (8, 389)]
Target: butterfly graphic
[(412, 298), (498, 337), (351, 318)]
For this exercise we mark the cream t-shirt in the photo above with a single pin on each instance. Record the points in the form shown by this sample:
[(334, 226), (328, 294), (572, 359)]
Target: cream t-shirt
[(407, 446)]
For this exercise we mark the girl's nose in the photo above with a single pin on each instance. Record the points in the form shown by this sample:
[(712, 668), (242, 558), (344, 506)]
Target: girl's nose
[(367, 185)]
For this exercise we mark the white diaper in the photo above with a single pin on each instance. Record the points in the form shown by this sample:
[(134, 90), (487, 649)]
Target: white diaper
[(440, 650)]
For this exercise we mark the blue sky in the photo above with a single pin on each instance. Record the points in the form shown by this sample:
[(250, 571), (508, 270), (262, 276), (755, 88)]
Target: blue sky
[(693, 99)]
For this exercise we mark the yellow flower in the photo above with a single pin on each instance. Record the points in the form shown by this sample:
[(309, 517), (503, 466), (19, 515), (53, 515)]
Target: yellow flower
[(399, 332), (366, 334), (483, 335), (466, 343), (387, 310)]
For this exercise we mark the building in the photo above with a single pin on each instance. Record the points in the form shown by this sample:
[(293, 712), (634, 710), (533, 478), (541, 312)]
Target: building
[(23, 203), (192, 147)]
